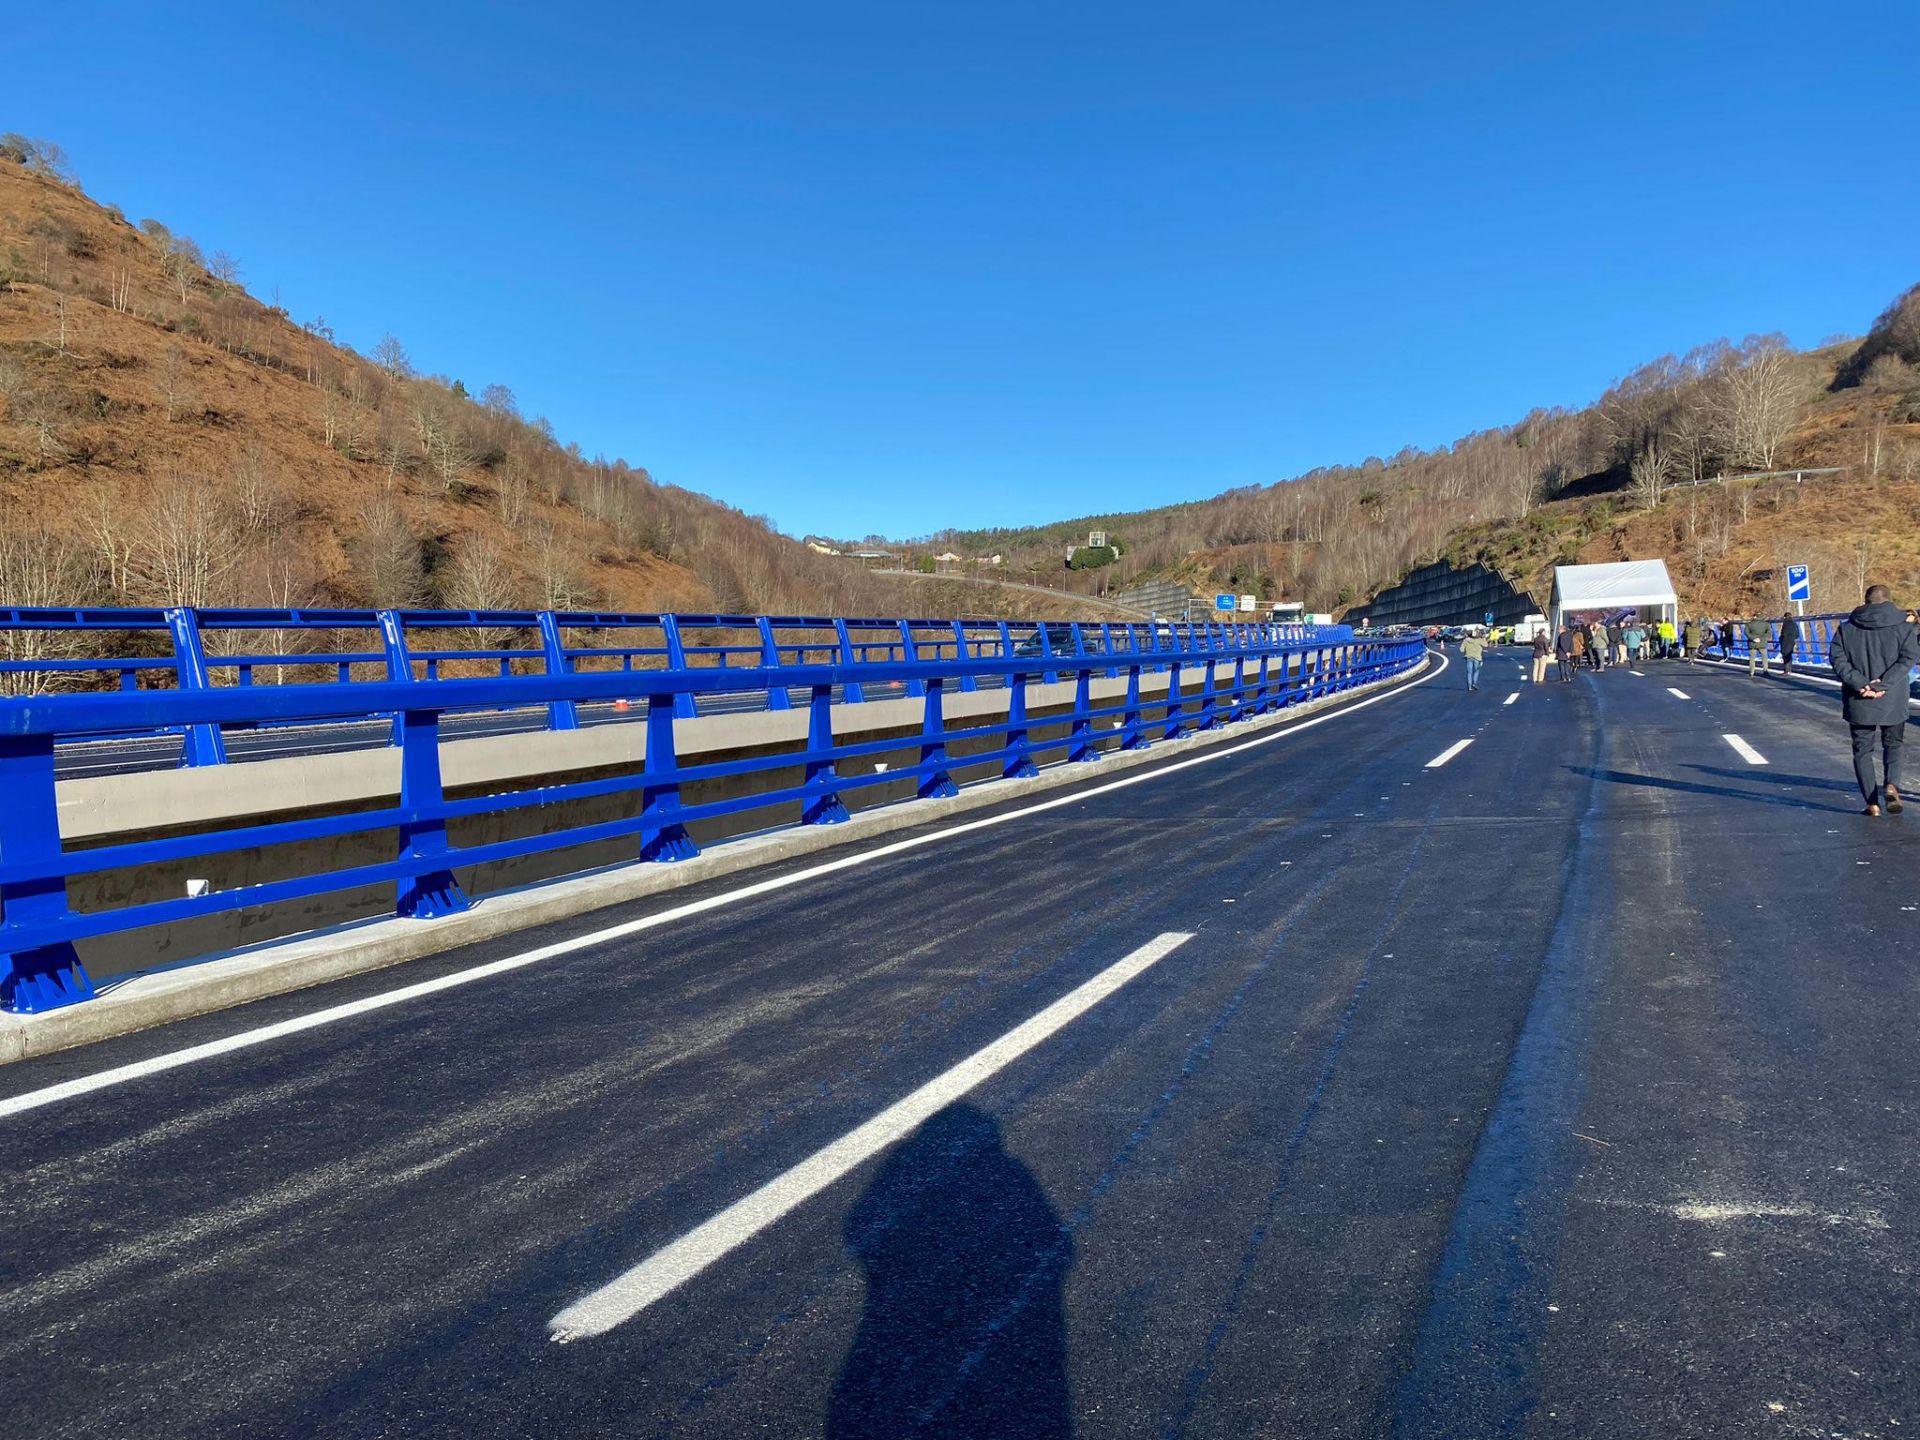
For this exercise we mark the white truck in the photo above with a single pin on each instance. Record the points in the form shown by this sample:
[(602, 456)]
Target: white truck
[(1525, 630)]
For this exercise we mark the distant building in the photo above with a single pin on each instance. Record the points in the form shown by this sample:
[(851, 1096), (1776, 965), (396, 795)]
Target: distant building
[(819, 546), (948, 562), (1096, 539)]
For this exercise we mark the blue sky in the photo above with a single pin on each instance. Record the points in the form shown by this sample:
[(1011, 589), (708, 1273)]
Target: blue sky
[(891, 266)]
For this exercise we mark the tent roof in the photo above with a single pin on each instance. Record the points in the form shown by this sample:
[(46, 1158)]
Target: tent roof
[(1616, 586)]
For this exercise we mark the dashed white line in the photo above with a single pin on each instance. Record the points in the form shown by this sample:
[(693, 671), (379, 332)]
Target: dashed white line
[(1641, 673), (1745, 751), (1448, 753), (1511, 698), (1678, 694), (626, 1295)]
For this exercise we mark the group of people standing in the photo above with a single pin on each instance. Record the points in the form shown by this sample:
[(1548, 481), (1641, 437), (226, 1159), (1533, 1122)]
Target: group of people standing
[(1597, 645)]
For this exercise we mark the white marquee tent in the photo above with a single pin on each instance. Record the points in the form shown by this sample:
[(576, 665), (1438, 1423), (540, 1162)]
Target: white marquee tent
[(1641, 585)]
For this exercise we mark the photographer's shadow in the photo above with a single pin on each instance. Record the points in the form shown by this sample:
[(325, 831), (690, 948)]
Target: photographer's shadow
[(964, 1332)]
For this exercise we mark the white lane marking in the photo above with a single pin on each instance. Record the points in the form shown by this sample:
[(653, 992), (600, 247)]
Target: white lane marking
[(246, 1039), (1448, 753), (1745, 751), (625, 1296), (1641, 673), (1511, 698), (1678, 694)]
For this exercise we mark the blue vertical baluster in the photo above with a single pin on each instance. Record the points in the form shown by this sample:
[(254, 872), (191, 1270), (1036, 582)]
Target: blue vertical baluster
[(42, 975), (1019, 762), (683, 705), (935, 782), (822, 805), (910, 651), (777, 697), (202, 744), (662, 836), (1176, 702), (851, 691), (1209, 707), (1131, 728), (969, 682), (561, 714), (430, 891), (1080, 746), (1052, 676), (393, 641)]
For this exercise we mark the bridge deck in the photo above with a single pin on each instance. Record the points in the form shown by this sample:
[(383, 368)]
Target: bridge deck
[(1566, 1087)]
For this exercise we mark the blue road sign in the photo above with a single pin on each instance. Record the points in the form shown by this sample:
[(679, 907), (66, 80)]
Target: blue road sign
[(1489, 617), (1225, 602), (1798, 586)]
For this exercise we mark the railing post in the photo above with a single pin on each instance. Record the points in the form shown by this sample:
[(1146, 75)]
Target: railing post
[(1131, 737), (393, 640), (1051, 677), (1106, 647), (683, 705), (201, 744), (777, 697), (910, 651), (1019, 763), (935, 782), (822, 805), (430, 891), (34, 977), (969, 682), (851, 691), (1176, 702), (662, 837), (561, 714)]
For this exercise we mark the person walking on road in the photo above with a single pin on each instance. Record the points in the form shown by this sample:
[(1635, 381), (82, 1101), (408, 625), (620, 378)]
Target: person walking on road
[(1873, 654), (1617, 643), (1542, 653), (1564, 651), (1789, 642), (1758, 633), (1669, 636), (1473, 649), (1636, 640), (1690, 642)]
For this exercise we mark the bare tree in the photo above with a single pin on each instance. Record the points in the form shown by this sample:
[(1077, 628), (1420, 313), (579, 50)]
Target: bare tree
[(259, 490), (184, 547), (1650, 468), (173, 378), (182, 263), (225, 271), (39, 567), (478, 577), (387, 555), (391, 356), (1756, 402)]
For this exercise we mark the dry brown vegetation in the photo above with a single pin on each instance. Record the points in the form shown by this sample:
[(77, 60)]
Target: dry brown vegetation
[(1618, 477), (167, 438)]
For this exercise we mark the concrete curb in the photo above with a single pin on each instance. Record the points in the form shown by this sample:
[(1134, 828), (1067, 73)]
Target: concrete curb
[(199, 987)]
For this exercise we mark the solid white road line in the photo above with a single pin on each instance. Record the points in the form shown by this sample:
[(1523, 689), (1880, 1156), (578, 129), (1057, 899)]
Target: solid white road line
[(1745, 751), (246, 1039), (1448, 753), (1511, 698), (1641, 673), (625, 1296), (1678, 694)]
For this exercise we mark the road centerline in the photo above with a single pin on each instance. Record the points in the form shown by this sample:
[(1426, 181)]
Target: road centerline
[(627, 1294), (1447, 754), (1511, 698), (1745, 751), (1678, 694)]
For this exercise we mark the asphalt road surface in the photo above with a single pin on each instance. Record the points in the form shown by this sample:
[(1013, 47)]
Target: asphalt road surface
[(1314, 1088)]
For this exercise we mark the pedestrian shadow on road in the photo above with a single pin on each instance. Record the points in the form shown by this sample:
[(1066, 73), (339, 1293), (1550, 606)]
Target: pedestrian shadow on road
[(1690, 787), (964, 1332), (1775, 777)]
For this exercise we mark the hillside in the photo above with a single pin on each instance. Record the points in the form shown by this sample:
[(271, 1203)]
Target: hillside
[(1641, 471), (168, 438)]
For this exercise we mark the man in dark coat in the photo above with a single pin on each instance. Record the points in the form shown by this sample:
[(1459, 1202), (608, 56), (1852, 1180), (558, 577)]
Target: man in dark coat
[(1563, 649), (1789, 642), (1873, 655)]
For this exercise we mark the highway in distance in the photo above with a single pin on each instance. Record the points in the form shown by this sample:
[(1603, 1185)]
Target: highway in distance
[(1539, 1061)]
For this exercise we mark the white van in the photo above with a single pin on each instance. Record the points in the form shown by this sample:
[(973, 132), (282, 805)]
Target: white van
[(1525, 630)]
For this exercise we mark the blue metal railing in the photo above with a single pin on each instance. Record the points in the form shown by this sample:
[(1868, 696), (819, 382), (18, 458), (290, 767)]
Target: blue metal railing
[(1243, 671), (1816, 640), (202, 649)]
